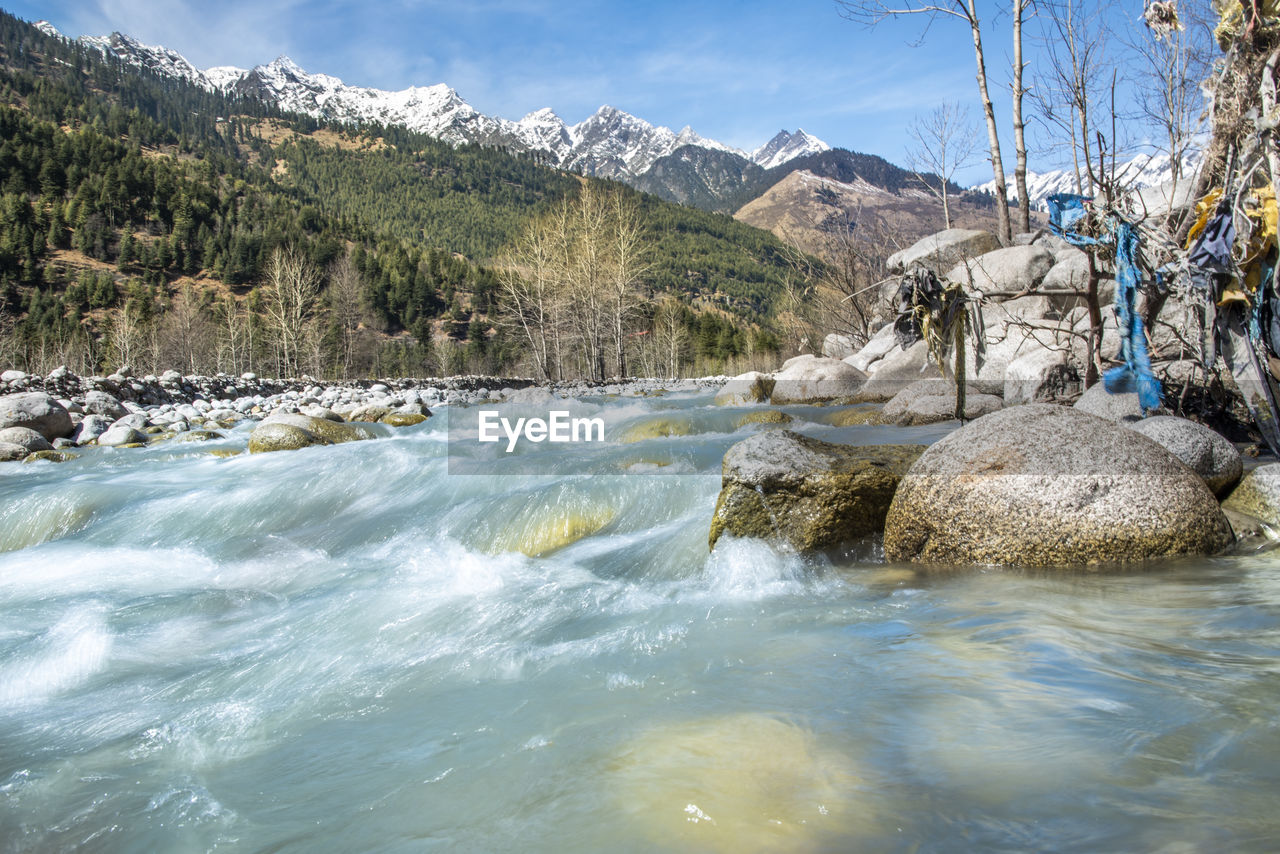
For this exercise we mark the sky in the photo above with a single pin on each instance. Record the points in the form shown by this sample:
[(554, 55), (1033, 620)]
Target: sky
[(737, 71)]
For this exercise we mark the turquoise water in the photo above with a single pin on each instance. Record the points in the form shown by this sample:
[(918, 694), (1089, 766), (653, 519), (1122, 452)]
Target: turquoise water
[(342, 649)]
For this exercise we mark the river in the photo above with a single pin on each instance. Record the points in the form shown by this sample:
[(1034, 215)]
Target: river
[(344, 649)]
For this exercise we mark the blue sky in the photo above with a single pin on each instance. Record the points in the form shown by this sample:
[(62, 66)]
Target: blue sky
[(735, 71)]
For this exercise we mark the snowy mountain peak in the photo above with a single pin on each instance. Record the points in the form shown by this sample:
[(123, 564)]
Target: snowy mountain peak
[(48, 29), (1142, 172), (787, 146), (153, 58)]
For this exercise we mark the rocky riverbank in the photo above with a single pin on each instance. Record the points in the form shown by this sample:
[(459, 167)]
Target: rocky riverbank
[(45, 415)]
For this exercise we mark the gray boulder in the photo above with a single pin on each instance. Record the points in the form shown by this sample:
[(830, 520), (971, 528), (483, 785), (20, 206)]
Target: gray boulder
[(1071, 273), (26, 437), (36, 410), (121, 434), (1010, 270), (816, 380), (943, 250), (1114, 407), (874, 350), (101, 403), (1045, 485), (897, 370), (12, 453), (90, 428), (1208, 454), (751, 387), (806, 492), (1039, 375), (934, 400), (1257, 496), (837, 346)]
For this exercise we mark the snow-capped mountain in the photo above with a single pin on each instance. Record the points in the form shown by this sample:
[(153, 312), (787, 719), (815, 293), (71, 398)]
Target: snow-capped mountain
[(610, 143), (1140, 173), (787, 146)]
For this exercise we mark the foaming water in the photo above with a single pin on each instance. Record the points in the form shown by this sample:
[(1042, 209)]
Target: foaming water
[(349, 649)]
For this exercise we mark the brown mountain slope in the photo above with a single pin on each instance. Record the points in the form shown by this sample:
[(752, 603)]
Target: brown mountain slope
[(806, 210)]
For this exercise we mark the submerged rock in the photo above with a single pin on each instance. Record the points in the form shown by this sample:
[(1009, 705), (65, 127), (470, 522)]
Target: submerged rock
[(751, 387), (1208, 454), (764, 416), (402, 419), (855, 416), (740, 784), (555, 527), (289, 432), (50, 456), (809, 493), (38, 411), (656, 428), (1044, 485)]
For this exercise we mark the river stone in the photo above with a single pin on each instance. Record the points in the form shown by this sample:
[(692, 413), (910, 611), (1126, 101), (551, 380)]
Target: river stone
[(899, 369), (198, 436), (874, 350), (811, 494), (856, 416), (90, 429), (1039, 375), (36, 410), (1258, 495), (50, 456), (934, 400), (120, 434), (371, 413), (290, 431), (26, 437), (1045, 485), (817, 380), (101, 403), (837, 346), (1207, 453), (402, 419), (764, 416), (943, 250), (751, 387), (656, 428), (1010, 270), (10, 452), (1115, 407)]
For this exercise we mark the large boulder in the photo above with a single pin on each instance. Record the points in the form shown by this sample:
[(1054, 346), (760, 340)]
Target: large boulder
[(751, 387), (90, 428), (806, 492), (1045, 485), (837, 346), (1010, 270), (1114, 407), (931, 401), (875, 349), (26, 437), (816, 380), (943, 250), (10, 452), (287, 432), (36, 410), (1258, 495), (1207, 453), (897, 370), (101, 403), (1040, 374), (120, 434)]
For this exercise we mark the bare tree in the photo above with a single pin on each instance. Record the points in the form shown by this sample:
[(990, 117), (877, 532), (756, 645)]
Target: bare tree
[(345, 297), (945, 141), (871, 12), (292, 288), (186, 334), (1019, 124), (627, 267)]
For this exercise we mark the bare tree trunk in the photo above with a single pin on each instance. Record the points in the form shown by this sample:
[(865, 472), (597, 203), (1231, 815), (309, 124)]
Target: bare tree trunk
[(1019, 125), (993, 134)]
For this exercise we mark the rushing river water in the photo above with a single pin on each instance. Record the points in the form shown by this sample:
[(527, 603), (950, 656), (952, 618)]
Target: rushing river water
[(344, 649)]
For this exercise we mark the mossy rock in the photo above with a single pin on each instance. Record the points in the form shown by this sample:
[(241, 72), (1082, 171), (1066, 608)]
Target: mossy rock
[(153, 438), (764, 416), (402, 419), (748, 388), (370, 414), (133, 445), (154, 430), (657, 428), (1258, 495), (542, 535), (226, 453), (811, 494), (858, 416), (198, 436), (50, 456)]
